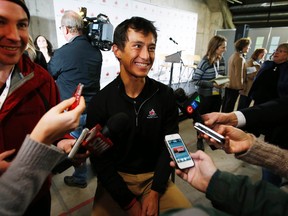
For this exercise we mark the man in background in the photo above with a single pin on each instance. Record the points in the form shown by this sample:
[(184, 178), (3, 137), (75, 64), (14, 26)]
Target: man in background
[(76, 62)]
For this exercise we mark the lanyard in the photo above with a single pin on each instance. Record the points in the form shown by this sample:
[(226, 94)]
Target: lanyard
[(6, 90), (216, 69)]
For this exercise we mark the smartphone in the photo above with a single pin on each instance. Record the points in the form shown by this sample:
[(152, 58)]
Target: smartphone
[(78, 143), (77, 94), (178, 151), (211, 133)]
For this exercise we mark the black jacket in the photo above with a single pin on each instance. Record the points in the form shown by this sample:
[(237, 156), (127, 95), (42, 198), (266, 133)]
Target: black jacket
[(140, 148)]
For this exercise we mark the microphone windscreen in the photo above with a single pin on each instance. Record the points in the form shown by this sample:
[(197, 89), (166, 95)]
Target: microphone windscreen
[(116, 124), (180, 95)]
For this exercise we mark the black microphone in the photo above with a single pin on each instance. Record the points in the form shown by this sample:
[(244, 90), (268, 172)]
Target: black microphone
[(97, 140), (173, 40), (189, 105), (115, 125)]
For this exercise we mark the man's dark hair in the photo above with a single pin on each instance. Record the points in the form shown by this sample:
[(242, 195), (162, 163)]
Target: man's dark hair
[(138, 24)]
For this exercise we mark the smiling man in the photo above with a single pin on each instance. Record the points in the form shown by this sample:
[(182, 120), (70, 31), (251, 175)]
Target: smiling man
[(27, 91), (133, 176)]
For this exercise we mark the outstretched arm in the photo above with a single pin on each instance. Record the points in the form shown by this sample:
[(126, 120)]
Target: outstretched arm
[(36, 158)]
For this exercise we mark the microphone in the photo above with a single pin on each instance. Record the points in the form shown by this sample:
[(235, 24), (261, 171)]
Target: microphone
[(97, 140), (189, 105), (173, 40)]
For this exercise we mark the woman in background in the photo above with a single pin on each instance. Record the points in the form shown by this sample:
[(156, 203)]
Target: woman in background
[(252, 67), (236, 73), (211, 65), (44, 45), (34, 54)]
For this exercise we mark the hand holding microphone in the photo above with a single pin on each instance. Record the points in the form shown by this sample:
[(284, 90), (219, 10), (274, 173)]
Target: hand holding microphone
[(96, 141)]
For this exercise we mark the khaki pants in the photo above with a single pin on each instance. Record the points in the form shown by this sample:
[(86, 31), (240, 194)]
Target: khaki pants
[(140, 185)]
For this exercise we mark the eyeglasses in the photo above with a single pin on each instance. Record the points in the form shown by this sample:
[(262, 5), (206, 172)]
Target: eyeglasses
[(281, 51)]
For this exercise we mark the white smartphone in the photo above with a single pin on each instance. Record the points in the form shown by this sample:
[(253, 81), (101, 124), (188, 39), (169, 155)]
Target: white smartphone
[(211, 133), (178, 151), (78, 143)]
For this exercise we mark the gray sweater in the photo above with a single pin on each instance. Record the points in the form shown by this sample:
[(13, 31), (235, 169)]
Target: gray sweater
[(25, 176), (266, 155)]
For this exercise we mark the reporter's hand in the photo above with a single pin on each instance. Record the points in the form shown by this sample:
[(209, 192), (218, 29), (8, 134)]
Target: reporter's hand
[(236, 140), (66, 145), (211, 119), (3, 163), (200, 175), (57, 122)]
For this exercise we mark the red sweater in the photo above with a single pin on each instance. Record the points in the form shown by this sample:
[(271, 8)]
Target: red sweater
[(32, 92)]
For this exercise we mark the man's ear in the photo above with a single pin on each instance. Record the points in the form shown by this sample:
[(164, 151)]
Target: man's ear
[(116, 51)]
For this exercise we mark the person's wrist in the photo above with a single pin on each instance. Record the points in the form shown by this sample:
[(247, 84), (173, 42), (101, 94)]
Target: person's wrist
[(233, 119), (39, 136), (251, 140)]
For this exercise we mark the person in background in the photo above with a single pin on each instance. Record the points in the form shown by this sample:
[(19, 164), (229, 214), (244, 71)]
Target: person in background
[(42, 44), (252, 67), (236, 73), (76, 62), (272, 82), (212, 65), (35, 55), (36, 158), (134, 175), (27, 91)]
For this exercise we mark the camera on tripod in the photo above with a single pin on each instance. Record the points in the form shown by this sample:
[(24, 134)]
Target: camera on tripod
[(98, 30)]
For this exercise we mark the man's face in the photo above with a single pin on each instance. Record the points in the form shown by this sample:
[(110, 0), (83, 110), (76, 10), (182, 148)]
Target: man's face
[(138, 55), (14, 33)]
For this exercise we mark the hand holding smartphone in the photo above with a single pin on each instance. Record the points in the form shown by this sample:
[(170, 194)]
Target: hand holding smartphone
[(211, 133), (178, 151), (78, 143)]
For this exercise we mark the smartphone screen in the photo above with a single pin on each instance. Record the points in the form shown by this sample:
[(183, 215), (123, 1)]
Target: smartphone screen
[(179, 151)]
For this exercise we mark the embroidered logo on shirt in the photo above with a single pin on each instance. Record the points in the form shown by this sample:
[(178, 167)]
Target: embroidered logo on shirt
[(152, 114)]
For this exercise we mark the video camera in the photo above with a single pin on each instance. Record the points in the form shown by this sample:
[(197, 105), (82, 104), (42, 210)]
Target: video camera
[(98, 30)]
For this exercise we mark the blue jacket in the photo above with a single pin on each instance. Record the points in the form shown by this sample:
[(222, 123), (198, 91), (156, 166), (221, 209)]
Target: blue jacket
[(76, 62)]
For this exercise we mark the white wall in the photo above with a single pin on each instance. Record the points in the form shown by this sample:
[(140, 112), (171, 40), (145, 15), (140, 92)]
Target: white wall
[(190, 36)]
